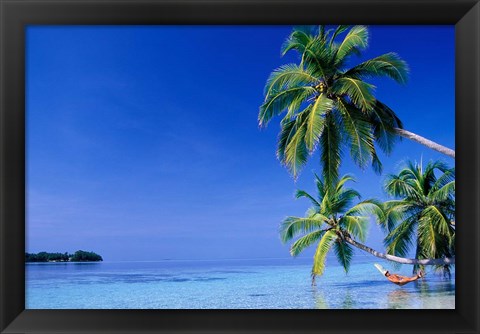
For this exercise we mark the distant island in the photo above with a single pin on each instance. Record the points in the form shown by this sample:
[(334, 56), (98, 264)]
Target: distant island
[(78, 256)]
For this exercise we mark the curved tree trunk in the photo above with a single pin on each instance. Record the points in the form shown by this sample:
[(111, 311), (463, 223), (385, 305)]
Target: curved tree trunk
[(426, 142), (402, 260)]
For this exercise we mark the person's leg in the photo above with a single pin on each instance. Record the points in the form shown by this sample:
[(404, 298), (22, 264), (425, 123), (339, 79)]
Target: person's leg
[(402, 280), (410, 279)]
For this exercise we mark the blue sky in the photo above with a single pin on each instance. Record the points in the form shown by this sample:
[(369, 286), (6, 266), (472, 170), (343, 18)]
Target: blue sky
[(143, 143)]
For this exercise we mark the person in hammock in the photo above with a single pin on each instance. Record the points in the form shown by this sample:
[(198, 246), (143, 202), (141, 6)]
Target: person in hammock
[(398, 279), (402, 280)]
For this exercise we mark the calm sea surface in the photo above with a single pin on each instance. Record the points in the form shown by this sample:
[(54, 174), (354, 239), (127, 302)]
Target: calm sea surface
[(228, 284)]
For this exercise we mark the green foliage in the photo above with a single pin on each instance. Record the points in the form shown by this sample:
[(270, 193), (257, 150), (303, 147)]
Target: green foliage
[(327, 106), (359, 92), (340, 29), (321, 252), (383, 120), (306, 241), (358, 133), (356, 39), (46, 257), (81, 256), (422, 213), (290, 98), (296, 152), (330, 148), (389, 64), (344, 253), (355, 225), (78, 256), (293, 226), (330, 219), (288, 76), (315, 121)]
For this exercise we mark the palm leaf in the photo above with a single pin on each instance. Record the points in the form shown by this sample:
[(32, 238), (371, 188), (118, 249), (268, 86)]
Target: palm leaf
[(384, 121), (321, 252), (319, 58), (306, 241), (296, 152), (438, 219), (289, 76), (447, 177), (376, 163), (360, 92), (400, 239), (287, 130), (338, 31), (320, 186), (316, 120), (281, 101), (301, 193), (389, 64), (321, 32), (427, 237), (330, 141), (444, 193), (344, 179), (397, 186), (395, 212), (297, 40), (357, 38), (355, 225), (293, 226), (359, 132), (339, 202), (344, 253), (369, 207)]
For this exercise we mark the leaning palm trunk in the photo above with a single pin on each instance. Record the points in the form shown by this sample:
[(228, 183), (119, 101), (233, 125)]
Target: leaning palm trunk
[(426, 142), (402, 260)]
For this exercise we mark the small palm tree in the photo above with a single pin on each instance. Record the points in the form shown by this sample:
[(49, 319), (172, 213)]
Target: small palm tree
[(423, 212), (328, 104), (331, 221)]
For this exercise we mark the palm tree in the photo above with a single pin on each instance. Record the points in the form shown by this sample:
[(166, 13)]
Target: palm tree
[(329, 222), (329, 105), (332, 221), (423, 212)]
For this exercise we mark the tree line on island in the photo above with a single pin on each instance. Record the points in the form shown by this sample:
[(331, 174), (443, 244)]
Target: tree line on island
[(328, 105), (78, 256)]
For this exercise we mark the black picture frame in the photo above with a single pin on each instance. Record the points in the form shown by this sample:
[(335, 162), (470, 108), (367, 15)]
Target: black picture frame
[(17, 14)]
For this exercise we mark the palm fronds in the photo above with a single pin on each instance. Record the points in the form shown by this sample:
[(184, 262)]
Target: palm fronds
[(389, 64), (423, 212), (321, 252), (356, 39), (329, 220), (328, 107)]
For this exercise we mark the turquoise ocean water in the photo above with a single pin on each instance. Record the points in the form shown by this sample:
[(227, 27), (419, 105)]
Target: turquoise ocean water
[(228, 284)]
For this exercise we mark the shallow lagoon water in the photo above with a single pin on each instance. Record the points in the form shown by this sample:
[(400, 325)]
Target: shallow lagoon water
[(228, 284)]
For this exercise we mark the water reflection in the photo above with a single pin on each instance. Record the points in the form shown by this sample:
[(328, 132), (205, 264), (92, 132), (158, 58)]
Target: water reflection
[(343, 299), (399, 298), (423, 294), (348, 301), (319, 298), (443, 287)]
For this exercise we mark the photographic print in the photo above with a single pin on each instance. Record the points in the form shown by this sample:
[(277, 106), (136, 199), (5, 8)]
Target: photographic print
[(240, 167)]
